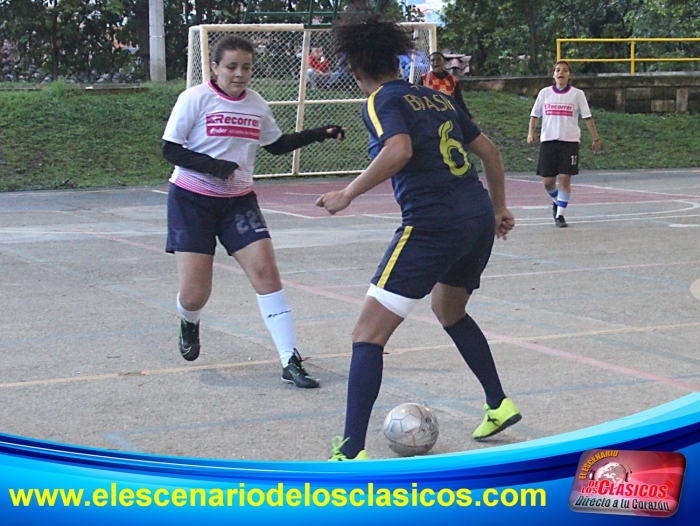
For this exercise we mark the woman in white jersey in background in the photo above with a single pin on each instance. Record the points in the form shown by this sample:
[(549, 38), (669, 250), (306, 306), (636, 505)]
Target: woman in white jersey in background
[(559, 106), (211, 137)]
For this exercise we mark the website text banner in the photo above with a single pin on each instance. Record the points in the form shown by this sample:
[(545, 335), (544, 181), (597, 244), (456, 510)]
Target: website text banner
[(531, 482)]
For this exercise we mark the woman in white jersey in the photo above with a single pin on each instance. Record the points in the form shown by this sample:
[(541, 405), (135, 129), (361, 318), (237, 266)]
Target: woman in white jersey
[(559, 106), (211, 137)]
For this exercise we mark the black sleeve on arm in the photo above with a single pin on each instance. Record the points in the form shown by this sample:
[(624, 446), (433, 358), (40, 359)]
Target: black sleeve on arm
[(460, 100), (178, 155), (293, 141)]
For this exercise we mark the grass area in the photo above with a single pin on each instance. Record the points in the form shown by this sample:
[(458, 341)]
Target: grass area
[(65, 138)]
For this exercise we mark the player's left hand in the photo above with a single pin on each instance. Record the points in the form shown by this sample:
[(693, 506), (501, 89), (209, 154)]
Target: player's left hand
[(505, 222), (597, 146), (334, 202), (336, 132)]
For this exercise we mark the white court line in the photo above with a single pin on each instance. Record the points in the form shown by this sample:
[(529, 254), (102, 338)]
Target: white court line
[(640, 171), (271, 211), (686, 196), (316, 359), (611, 203), (388, 215), (589, 269), (612, 188), (573, 220), (637, 216), (159, 192)]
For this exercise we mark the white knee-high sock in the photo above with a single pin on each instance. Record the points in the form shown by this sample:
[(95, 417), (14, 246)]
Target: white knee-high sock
[(191, 316), (277, 315), (562, 202)]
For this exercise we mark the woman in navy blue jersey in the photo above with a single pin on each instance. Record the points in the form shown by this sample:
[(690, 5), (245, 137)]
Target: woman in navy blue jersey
[(419, 138)]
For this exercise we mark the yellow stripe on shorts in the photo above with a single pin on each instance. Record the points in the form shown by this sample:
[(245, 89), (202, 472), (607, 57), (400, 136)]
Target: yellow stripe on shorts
[(373, 114), (394, 256)]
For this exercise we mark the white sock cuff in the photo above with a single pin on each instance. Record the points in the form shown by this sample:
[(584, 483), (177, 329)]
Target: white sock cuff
[(399, 305), (275, 303), (191, 316)]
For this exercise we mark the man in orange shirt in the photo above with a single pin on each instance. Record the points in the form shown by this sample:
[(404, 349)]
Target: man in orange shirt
[(440, 80)]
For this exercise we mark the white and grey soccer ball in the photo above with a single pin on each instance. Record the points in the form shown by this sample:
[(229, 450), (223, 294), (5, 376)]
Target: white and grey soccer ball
[(411, 429)]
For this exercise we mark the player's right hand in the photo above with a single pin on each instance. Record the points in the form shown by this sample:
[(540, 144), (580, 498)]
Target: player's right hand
[(505, 222), (334, 202), (530, 138)]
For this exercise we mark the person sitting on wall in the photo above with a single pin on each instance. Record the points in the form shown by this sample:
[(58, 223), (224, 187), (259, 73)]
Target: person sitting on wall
[(319, 71)]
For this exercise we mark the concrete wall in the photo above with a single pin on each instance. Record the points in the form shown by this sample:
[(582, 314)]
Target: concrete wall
[(671, 93)]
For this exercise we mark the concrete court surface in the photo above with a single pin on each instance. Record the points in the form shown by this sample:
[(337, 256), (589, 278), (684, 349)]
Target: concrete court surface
[(587, 324)]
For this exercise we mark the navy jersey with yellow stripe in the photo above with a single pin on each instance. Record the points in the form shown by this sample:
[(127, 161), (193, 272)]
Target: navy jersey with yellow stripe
[(438, 186)]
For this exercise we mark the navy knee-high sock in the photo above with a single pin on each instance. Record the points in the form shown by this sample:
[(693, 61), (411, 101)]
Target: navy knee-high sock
[(475, 350), (364, 382)]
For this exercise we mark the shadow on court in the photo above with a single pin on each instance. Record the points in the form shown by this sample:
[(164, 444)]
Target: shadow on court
[(587, 324)]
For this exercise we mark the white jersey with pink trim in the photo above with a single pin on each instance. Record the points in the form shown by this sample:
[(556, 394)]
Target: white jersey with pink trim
[(204, 120), (559, 111)]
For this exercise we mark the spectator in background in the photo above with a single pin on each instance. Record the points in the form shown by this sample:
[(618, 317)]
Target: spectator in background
[(342, 77), (421, 65), (319, 71), (441, 80)]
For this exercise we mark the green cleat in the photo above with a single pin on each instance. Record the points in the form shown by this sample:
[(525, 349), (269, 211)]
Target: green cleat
[(337, 443), (496, 420), (189, 340), (294, 373)]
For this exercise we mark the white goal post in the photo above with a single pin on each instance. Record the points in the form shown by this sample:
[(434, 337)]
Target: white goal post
[(300, 98)]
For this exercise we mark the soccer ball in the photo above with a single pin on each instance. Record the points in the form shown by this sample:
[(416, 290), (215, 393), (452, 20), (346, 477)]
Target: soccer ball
[(411, 429)]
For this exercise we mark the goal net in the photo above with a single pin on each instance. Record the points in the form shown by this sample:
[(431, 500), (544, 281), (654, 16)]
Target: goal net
[(300, 98)]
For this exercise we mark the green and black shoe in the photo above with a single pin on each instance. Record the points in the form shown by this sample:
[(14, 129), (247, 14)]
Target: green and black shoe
[(189, 340), (294, 373)]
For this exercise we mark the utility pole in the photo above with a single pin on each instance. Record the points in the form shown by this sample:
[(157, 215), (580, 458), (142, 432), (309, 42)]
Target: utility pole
[(156, 26)]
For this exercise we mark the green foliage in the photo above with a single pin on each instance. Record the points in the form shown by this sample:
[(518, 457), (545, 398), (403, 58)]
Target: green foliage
[(67, 36), (496, 32), (68, 138), (62, 137)]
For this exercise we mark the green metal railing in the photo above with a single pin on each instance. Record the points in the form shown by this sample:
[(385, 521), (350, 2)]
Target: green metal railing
[(632, 58)]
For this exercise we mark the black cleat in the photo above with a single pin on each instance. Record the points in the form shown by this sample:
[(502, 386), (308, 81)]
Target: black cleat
[(554, 210), (294, 373), (560, 222), (189, 340)]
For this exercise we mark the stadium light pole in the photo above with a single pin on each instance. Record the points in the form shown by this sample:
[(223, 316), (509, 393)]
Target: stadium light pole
[(156, 30)]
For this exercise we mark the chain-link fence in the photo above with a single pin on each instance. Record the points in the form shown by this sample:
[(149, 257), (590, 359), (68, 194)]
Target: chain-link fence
[(306, 86)]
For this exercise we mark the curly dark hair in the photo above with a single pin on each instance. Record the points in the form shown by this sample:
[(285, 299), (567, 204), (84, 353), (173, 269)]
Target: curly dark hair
[(232, 43), (370, 44)]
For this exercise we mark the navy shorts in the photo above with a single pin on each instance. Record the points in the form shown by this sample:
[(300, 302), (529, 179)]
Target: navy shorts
[(418, 259), (558, 157), (195, 221)]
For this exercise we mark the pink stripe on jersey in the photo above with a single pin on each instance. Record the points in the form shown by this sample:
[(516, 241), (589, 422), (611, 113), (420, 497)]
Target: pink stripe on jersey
[(220, 93), (213, 187)]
